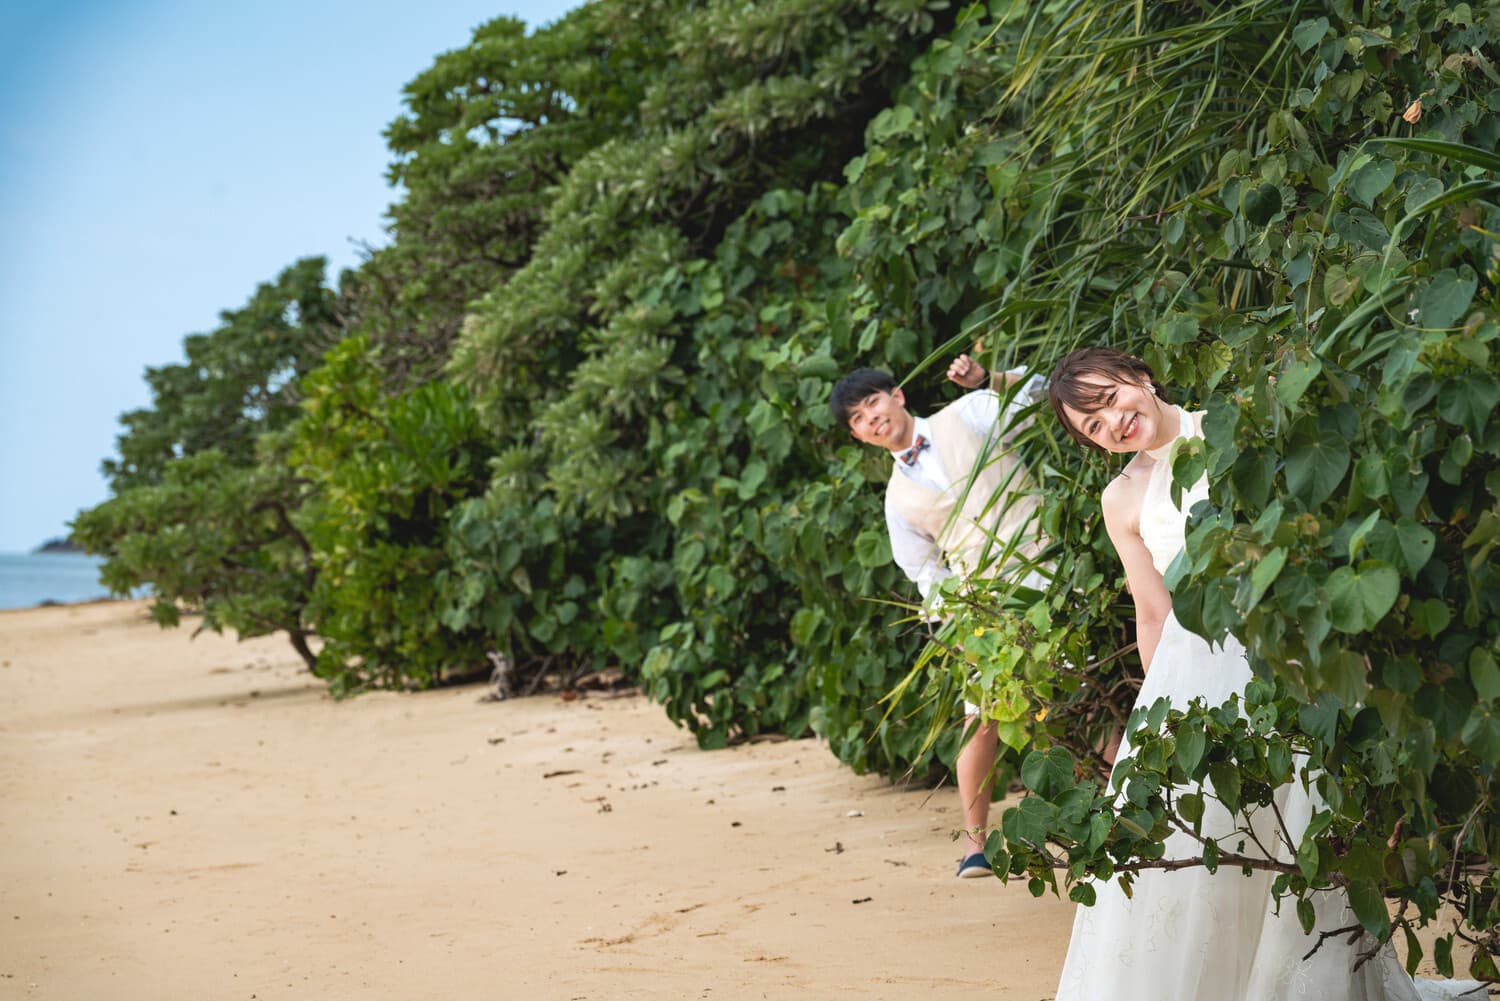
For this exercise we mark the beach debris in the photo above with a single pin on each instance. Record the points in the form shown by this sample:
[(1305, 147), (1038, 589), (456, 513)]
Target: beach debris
[(778, 788), (855, 813), (561, 771), (559, 872), (735, 823), (610, 677), (502, 677), (837, 849), (494, 740), (861, 900)]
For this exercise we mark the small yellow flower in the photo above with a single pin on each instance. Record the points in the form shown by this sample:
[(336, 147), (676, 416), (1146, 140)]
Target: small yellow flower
[(1413, 113), (1041, 714), (979, 630)]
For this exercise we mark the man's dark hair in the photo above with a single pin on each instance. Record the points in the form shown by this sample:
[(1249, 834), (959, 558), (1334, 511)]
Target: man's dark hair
[(852, 390)]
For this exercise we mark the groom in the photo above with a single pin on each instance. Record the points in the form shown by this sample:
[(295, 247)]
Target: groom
[(956, 501)]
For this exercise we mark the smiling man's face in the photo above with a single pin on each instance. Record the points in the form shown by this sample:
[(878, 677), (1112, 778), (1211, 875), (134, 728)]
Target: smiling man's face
[(882, 419)]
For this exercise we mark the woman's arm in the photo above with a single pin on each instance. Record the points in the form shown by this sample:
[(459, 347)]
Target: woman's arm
[(1121, 504)]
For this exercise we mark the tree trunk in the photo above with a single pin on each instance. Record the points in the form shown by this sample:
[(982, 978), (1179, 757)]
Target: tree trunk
[(299, 643)]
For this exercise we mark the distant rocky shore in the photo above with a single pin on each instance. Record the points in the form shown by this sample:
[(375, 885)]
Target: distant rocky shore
[(58, 546)]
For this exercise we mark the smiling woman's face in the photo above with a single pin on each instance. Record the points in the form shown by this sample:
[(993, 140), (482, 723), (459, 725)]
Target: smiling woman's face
[(1129, 417)]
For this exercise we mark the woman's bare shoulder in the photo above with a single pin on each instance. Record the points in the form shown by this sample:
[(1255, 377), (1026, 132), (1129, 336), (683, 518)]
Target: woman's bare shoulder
[(1121, 499)]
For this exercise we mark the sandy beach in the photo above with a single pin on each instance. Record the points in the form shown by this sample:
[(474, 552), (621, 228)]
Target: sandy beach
[(196, 819)]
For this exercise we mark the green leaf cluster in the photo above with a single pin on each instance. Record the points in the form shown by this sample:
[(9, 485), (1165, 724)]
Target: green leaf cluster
[(383, 473), (1233, 194)]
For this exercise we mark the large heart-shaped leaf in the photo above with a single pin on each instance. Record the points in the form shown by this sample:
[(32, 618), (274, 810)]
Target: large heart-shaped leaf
[(1358, 598), (1295, 378), (1253, 474), (1371, 179), (1446, 298), (1468, 401), (1484, 675), (1416, 543), (1316, 463), (1047, 773), (1369, 906), (1309, 33)]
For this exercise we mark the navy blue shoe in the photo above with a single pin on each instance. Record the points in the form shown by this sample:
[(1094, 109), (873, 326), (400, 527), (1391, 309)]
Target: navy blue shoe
[(974, 866)]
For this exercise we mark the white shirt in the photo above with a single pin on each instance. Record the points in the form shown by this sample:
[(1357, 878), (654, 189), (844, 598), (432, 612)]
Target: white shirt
[(916, 554)]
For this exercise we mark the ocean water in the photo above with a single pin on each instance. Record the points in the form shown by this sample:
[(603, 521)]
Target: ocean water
[(28, 579)]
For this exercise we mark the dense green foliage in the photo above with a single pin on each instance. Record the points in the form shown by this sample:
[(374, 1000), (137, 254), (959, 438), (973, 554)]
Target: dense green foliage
[(607, 209), (649, 370), (574, 414), (1321, 278), (382, 473), (489, 131)]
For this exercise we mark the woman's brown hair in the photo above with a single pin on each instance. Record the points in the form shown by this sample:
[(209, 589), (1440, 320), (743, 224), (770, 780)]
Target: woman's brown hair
[(1075, 383)]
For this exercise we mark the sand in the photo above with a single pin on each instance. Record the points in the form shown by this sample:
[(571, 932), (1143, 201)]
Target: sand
[(196, 819)]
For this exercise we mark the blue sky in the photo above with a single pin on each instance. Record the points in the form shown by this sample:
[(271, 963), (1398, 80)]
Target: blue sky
[(158, 160)]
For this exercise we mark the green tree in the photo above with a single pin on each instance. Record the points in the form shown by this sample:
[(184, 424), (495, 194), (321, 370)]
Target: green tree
[(236, 382), (653, 267), (382, 473), (488, 131), (203, 502)]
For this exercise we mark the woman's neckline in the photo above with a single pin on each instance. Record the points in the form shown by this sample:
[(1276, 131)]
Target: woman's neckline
[(1161, 452)]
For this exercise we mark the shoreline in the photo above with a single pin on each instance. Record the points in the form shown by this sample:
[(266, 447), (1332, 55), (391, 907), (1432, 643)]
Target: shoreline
[(195, 817), (52, 603), (45, 579)]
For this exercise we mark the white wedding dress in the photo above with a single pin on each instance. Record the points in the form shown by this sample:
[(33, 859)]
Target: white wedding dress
[(1189, 935)]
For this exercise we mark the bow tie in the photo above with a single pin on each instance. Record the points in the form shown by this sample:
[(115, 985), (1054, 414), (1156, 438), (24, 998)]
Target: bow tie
[(910, 455)]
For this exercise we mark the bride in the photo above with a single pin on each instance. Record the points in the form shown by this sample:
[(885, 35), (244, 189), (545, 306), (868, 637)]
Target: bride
[(1188, 934)]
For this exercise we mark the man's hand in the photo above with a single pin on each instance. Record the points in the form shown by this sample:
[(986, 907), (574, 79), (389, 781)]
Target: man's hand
[(967, 372)]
